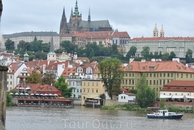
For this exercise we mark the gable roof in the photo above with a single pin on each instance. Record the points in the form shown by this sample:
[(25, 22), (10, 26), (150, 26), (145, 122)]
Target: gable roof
[(157, 66)]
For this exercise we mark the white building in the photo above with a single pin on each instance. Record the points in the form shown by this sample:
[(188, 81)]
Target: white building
[(14, 69), (126, 97)]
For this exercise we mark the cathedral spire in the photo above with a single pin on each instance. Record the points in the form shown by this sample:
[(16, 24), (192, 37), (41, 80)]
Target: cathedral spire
[(89, 16), (63, 25), (76, 12)]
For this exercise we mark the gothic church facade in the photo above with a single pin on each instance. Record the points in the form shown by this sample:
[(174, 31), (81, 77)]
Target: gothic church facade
[(76, 24)]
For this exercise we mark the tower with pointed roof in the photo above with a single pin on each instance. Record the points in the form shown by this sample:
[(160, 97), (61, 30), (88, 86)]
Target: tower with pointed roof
[(75, 19), (51, 55), (63, 24), (155, 32), (89, 16), (162, 32)]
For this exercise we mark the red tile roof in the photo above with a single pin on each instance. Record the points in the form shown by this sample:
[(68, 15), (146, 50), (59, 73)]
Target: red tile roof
[(179, 86), (157, 66), (163, 38), (120, 35), (39, 88)]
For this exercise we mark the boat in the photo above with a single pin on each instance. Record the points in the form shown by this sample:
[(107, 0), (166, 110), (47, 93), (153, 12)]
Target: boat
[(164, 114)]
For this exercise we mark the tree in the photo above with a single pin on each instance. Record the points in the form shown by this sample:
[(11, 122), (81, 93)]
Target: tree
[(145, 52), (68, 46), (172, 55), (112, 74), (145, 95), (48, 78), (188, 56), (34, 77), (8, 99), (165, 56), (133, 50), (9, 45), (63, 87)]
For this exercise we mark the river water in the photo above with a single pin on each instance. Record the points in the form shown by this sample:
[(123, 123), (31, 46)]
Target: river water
[(82, 118)]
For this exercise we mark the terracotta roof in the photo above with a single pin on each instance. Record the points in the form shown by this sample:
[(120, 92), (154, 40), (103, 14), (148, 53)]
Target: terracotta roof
[(157, 66), (12, 68), (68, 71), (95, 34), (163, 39), (179, 86), (120, 35), (39, 88)]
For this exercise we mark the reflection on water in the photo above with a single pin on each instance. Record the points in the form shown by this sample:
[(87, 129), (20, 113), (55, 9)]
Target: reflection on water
[(38, 118)]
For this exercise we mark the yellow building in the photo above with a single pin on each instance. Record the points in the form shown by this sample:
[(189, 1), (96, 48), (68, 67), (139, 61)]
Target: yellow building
[(158, 73), (91, 90)]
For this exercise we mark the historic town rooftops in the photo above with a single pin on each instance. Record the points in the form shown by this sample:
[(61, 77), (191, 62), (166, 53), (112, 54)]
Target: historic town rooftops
[(157, 66), (68, 71), (179, 86), (163, 39), (21, 34)]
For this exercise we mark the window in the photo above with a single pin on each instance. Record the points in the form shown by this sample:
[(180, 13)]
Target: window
[(96, 83), (88, 90), (96, 90), (84, 89), (80, 90), (77, 90), (121, 97), (88, 83), (92, 90), (124, 97), (92, 83)]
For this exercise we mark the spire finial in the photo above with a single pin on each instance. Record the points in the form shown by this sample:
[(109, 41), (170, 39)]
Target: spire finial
[(89, 16)]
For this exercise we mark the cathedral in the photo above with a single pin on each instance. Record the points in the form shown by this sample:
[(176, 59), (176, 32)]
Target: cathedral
[(76, 24)]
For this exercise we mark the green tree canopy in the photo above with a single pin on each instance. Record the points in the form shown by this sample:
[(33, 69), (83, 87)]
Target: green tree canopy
[(112, 74), (68, 46), (63, 87), (172, 55), (34, 77), (131, 52), (145, 95), (188, 56), (145, 52), (9, 45)]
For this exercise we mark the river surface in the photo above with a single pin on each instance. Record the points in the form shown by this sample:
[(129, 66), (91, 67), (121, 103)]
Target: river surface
[(82, 118)]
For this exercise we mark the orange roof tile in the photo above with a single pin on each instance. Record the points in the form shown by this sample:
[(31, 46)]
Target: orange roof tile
[(157, 66)]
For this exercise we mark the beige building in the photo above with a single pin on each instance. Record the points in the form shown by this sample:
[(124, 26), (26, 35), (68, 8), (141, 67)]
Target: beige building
[(178, 90), (158, 73), (91, 89)]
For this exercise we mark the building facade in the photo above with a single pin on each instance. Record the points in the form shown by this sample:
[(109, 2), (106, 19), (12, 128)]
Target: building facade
[(158, 73), (91, 89), (159, 43)]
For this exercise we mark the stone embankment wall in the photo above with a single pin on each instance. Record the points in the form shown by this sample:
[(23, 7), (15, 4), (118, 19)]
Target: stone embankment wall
[(3, 89)]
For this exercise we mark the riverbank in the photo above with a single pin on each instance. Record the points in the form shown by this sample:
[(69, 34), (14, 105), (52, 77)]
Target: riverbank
[(130, 107)]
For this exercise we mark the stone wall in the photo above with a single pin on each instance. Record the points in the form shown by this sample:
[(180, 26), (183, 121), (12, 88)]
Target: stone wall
[(3, 89)]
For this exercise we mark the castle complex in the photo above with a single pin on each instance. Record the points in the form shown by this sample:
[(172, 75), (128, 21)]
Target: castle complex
[(76, 24)]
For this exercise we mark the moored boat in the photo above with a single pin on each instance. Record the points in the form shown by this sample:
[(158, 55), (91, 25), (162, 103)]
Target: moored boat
[(164, 114)]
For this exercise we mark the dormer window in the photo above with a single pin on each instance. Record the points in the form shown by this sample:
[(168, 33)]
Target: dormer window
[(151, 68)]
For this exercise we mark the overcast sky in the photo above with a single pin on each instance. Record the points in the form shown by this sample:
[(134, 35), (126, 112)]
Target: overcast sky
[(137, 17)]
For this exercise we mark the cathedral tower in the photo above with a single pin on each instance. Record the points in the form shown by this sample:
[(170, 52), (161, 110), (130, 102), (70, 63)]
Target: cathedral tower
[(63, 24), (155, 32), (75, 19)]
